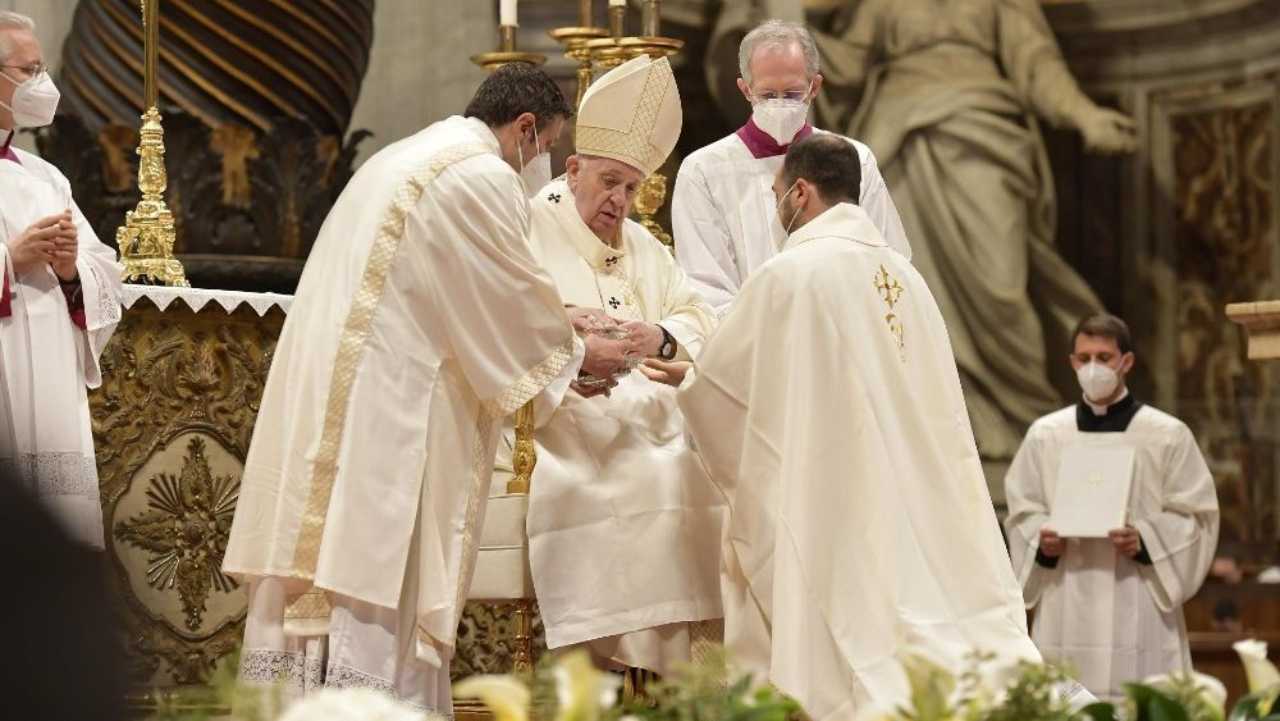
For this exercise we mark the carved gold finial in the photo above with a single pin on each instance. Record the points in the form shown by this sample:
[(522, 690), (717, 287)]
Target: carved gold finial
[(147, 237), (649, 200), (524, 456)]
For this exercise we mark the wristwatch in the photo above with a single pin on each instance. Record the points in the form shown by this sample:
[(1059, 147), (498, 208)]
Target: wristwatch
[(667, 351)]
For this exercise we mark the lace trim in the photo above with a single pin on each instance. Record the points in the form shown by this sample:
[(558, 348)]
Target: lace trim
[(292, 668), (342, 676), (55, 474), (109, 311)]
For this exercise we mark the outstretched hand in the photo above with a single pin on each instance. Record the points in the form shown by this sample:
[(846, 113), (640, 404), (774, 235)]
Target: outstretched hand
[(1108, 132)]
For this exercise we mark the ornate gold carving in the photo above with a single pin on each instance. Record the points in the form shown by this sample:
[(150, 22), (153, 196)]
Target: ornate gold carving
[(170, 378), (649, 200), (524, 455), (186, 531), (146, 239), (487, 637)]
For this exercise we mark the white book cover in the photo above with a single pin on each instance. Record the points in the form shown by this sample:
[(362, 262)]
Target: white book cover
[(1092, 495)]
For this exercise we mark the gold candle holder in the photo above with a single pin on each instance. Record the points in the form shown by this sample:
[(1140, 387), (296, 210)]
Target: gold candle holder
[(147, 237), (607, 53), (575, 39), (506, 52)]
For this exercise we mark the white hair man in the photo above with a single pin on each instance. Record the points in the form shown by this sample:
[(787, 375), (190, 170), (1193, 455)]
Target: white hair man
[(624, 526), (723, 212), (59, 302)]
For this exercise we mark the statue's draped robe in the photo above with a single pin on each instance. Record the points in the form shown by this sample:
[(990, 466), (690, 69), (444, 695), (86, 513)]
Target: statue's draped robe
[(950, 93), (420, 322), (1112, 618), (828, 410), (624, 525), (50, 344)]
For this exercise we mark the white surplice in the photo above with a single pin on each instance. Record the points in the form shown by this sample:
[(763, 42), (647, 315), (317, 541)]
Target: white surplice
[(420, 322), (46, 361), (724, 215), (1112, 618), (827, 407), (624, 525)]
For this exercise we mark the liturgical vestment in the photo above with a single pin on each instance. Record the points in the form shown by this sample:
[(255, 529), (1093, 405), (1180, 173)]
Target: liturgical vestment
[(51, 340), (1113, 618), (421, 321), (828, 409), (624, 525)]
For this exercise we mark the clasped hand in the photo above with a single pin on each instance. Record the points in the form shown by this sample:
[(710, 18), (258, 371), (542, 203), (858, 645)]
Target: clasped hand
[(51, 241), (1126, 541), (613, 348)]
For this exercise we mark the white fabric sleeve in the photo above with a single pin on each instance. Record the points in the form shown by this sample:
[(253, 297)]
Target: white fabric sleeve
[(1181, 539), (875, 200), (704, 246), (1028, 513), (100, 285)]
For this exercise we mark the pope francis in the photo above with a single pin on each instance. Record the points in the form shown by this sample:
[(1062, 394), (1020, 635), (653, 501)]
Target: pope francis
[(623, 524), (828, 410)]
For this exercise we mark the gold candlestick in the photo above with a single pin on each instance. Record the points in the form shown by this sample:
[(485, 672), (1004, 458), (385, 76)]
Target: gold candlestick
[(574, 40), (147, 237), (651, 42), (506, 52), (607, 53)]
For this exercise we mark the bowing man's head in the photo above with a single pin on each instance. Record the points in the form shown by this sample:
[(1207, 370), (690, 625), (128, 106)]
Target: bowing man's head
[(819, 172), (603, 190), (524, 108)]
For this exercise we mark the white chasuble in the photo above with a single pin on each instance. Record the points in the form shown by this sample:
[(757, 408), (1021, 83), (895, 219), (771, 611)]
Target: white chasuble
[(47, 361), (421, 321), (1114, 618), (828, 409), (624, 526)]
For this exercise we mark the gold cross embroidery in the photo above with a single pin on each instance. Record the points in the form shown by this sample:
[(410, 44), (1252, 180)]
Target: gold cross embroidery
[(889, 287), (891, 292)]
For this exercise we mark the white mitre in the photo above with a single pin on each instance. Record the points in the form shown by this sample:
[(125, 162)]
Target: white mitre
[(632, 114)]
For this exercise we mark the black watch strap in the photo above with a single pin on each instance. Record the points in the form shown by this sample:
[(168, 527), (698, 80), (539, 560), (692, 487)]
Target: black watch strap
[(668, 349)]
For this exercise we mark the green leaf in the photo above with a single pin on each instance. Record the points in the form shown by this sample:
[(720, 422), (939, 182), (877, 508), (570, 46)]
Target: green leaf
[(1154, 705), (1100, 711), (1246, 709)]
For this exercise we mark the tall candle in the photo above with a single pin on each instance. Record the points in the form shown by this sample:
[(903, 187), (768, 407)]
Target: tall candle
[(617, 3), (507, 14)]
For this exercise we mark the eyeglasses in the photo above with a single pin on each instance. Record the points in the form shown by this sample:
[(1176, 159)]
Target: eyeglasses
[(31, 70), (792, 95)]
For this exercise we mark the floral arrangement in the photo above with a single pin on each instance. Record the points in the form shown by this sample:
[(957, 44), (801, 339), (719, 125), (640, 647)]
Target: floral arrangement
[(570, 688)]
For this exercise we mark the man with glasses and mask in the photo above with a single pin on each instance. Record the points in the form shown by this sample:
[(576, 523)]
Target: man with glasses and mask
[(1112, 606), (421, 321), (722, 209), (59, 303)]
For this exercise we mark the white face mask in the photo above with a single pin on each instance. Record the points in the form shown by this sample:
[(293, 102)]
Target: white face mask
[(34, 101), (537, 173), (1098, 381), (786, 233), (780, 118)]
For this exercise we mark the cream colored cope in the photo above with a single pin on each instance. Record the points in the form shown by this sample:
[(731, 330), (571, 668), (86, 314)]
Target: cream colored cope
[(623, 525)]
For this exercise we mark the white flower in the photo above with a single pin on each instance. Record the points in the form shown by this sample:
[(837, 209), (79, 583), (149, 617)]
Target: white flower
[(1210, 689), (505, 696), (583, 690), (352, 704), (1261, 672)]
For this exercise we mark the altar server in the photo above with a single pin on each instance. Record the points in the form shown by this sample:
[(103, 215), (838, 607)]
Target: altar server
[(624, 526), (827, 409), (723, 213), (420, 322), (1112, 607), (59, 303)]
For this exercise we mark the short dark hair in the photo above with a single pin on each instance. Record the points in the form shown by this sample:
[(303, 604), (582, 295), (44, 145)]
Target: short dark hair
[(828, 161), (1105, 325), (515, 89)]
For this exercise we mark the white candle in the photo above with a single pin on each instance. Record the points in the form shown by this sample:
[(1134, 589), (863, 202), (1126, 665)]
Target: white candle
[(507, 14), (617, 3)]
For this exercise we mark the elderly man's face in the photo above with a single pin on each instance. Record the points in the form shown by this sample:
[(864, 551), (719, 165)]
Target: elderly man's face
[(778, 71), (24, 61), (603, 189)]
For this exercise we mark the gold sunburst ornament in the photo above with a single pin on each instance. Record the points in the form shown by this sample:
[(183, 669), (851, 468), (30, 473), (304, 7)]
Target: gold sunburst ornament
[(147, 237), (185, 529)]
